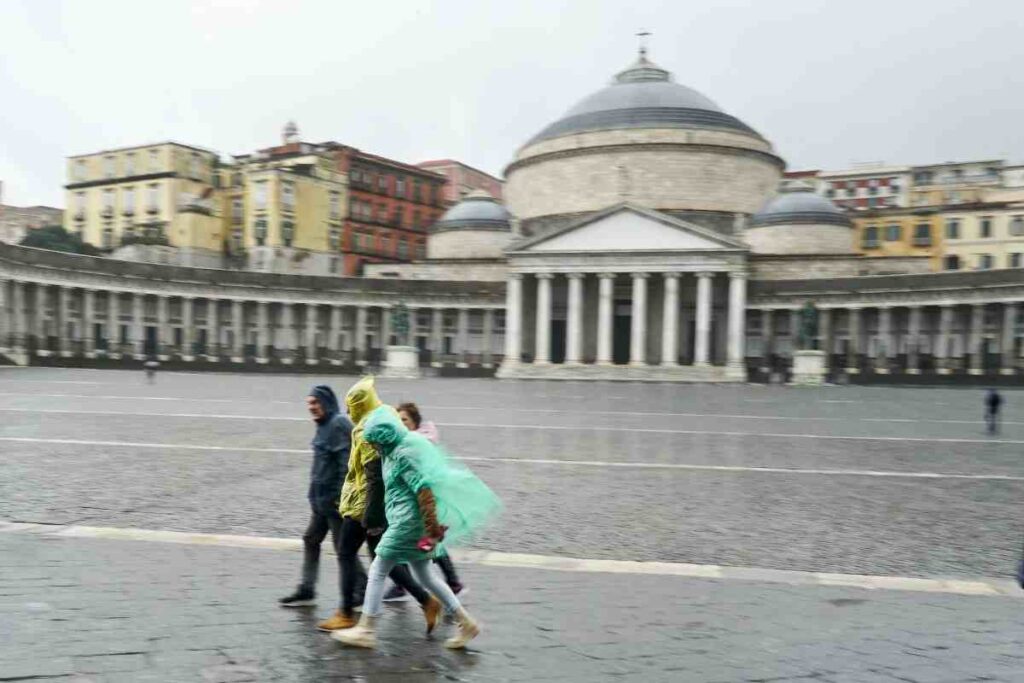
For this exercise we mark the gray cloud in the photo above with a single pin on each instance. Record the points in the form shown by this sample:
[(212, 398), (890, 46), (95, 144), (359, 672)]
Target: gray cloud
[(829, 83)]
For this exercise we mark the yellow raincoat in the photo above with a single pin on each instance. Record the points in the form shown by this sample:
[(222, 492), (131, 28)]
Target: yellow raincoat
[(361, 400)]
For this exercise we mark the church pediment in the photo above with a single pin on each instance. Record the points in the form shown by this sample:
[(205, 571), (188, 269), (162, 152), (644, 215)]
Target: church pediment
[(627, 228)]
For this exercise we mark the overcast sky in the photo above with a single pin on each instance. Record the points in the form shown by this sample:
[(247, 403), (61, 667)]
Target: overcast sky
[(829, 83)]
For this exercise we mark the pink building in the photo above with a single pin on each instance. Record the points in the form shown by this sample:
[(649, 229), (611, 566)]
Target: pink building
[(462, 179)]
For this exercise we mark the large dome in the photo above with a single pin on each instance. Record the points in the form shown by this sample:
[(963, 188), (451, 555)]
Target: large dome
[(478, 210), (648, 141), (642, 96)]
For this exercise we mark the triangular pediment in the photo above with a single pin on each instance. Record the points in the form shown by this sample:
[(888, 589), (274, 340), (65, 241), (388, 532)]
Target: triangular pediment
[(629, 228)]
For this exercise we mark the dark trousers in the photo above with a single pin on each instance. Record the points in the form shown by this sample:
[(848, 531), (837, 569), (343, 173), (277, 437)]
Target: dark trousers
[(353, 535), (315, 534), (451, 577), (992, 420)]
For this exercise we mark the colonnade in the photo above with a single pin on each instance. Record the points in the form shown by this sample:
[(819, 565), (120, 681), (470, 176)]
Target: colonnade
[(595, 302), (65, 321), (942, 338)]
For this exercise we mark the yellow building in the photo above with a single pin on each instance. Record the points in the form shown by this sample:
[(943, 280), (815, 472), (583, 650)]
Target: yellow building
[(986, 236), (899, 232), (152, 194), (284, 209)]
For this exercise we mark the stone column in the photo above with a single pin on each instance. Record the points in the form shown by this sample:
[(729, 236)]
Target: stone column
[(163, 326), (977, 334), (462, 338), (605, 313), (188, 329), (854, 332), (670, 321), (884, 340), (542, 355), (262, 331), (212, 329), (736, 361), (237, 332), (89, 322), (332, 343), (794, 331), (437, 335), (825, 334), (638, 329), (945, 330), (767, 339), (513, 320), (914, 341), (286, 340), (702, 343), (312, 322), (63, 318), (138, 339), (574, 323), (488, 341), (113, 323), (18, 328), (1008, 366), (385, 328), (360, 341)]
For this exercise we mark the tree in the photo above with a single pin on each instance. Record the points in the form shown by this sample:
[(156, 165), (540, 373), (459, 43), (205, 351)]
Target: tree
[(56, 238)]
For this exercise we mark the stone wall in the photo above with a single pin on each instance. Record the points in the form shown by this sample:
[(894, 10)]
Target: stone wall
[(800, 239), (480, 270), (812, 267), (463, 244), (675, 178)]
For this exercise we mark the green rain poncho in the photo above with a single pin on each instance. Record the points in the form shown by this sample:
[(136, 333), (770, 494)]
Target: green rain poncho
[(411, 463)]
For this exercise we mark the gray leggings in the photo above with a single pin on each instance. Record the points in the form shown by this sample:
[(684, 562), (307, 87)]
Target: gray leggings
[(421, 571)]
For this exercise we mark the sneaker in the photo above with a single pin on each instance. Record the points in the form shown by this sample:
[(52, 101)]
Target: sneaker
[(300, 598), (336, 622), (458, 589), (396, 594)]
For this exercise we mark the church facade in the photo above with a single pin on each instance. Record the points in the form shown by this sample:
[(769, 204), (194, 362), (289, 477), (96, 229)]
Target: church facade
[(643, 236)]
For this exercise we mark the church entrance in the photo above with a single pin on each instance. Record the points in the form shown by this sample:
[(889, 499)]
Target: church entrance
[(621, 331), (557, 350)]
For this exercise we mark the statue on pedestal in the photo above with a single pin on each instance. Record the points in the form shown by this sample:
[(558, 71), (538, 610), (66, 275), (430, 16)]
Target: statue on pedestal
[(808, 327), (400, 324)]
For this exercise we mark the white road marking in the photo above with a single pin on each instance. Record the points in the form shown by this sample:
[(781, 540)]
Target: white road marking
[(974, 587), (618, 413), (895, 474)]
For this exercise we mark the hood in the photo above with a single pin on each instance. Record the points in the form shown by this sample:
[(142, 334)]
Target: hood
[(328, 400), (361, 400), (384, 429)]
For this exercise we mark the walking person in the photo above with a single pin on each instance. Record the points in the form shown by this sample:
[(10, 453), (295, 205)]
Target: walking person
[(993, 401), (410, 415), (331, 444), (429, 500), (362, 517)]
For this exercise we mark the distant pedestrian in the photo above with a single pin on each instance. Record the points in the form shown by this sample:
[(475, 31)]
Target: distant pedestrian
[(331, 445), (412, 419), (993, 401), (429, 500), (151, 366)]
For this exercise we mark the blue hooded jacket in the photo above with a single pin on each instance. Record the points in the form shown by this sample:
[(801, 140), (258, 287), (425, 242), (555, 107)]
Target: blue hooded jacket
[(331, 445)]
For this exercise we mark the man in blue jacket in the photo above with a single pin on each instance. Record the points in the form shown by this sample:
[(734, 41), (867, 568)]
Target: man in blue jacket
[(331, 445)]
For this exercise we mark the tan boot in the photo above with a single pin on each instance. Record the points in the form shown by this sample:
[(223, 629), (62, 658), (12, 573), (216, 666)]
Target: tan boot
[(337, 621), (468, 630), (432, 613), (363, 634)]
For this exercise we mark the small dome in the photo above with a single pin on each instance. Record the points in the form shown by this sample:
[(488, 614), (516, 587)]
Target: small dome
[(477, 211), (642, 96), (800, 206)]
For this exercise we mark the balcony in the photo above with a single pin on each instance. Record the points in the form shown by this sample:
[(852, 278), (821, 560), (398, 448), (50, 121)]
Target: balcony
[(79, 215), (360, 248), (922, 241), (971, 179), (107, 212), (870, 244)]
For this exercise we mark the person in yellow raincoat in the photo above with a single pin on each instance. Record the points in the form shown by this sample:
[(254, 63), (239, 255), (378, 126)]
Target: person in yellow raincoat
[(362, 516), (430, 501)]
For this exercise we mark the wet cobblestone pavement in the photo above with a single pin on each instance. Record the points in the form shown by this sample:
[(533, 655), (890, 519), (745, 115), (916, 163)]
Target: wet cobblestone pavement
[(99, 610), (856, 480)]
